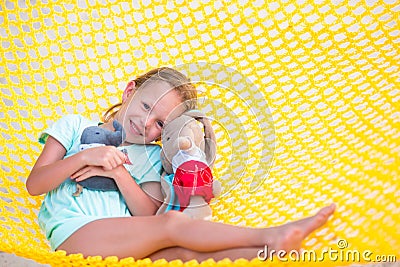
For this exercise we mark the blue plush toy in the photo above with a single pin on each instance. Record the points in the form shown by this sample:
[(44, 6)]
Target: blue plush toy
[(96, 136)]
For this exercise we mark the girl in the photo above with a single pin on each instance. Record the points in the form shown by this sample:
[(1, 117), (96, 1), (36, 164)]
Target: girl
[(123, 223)]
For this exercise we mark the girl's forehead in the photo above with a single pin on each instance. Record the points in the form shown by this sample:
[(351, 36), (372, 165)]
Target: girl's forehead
[(154, 89), (154, 83)]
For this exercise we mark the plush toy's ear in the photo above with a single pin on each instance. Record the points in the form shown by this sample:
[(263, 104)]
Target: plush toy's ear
[(167, 164), (209, 135), (119, 129), (210, 142)]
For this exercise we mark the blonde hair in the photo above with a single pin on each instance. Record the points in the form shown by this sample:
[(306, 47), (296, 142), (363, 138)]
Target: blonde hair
[(176, 79)]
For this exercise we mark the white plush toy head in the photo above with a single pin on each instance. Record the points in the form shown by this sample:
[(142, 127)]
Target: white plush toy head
[(184, 131)]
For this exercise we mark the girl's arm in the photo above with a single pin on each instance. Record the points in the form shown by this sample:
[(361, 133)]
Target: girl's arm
[(51, 169), (141, 201)]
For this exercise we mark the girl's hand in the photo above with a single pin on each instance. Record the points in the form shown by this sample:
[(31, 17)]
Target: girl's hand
[(90, 171), (108, 157)]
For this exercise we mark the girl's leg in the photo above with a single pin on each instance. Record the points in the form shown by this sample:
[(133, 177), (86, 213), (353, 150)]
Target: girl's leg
[(285, 237), (139, 237)]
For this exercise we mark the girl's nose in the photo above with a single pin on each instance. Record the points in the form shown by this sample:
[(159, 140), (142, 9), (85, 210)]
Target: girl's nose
[(147, 121)]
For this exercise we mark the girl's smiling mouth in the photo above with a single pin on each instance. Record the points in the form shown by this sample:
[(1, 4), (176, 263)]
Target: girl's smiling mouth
[(135, 129)]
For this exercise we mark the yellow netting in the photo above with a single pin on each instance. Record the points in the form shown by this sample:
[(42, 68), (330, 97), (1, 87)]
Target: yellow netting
[(305, 98)]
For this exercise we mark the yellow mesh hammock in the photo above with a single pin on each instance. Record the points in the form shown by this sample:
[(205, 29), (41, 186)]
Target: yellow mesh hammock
[(304, 95)]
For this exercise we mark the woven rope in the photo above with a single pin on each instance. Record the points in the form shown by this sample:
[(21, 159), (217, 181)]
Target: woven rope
[(305, 98)]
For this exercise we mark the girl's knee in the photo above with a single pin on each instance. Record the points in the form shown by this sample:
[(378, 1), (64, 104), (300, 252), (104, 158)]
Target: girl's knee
[(173, 221), (176, 216)]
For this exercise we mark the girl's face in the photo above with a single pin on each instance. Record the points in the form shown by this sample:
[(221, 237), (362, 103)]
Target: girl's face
[(145, 110)]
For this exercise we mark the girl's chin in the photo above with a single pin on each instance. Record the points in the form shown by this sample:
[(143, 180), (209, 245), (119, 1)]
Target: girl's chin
[(137, 140)]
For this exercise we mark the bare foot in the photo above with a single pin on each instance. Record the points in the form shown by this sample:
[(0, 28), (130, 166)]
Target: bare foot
[(289, 236)]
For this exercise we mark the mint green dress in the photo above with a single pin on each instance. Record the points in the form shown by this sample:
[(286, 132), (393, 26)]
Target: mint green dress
[(61, 214)]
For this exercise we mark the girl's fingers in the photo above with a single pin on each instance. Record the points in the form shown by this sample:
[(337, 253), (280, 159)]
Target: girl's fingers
[(76, 174), (108, 157), (82, 177), (79, 173), (119, 159), (107, 166), (110, 164), (113, 159), (88, 172)]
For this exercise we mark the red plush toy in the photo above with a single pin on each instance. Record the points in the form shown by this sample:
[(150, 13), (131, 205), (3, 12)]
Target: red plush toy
[(188, 151)]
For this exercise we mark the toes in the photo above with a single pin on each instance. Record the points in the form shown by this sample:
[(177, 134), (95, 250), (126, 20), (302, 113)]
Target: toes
[(323, 215), (329, 210)]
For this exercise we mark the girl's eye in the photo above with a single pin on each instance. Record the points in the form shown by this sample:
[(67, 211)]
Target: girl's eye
[(147, 107), (160, 124)]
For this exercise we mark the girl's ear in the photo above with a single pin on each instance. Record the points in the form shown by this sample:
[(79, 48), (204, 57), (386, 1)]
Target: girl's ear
[(129, 90)]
